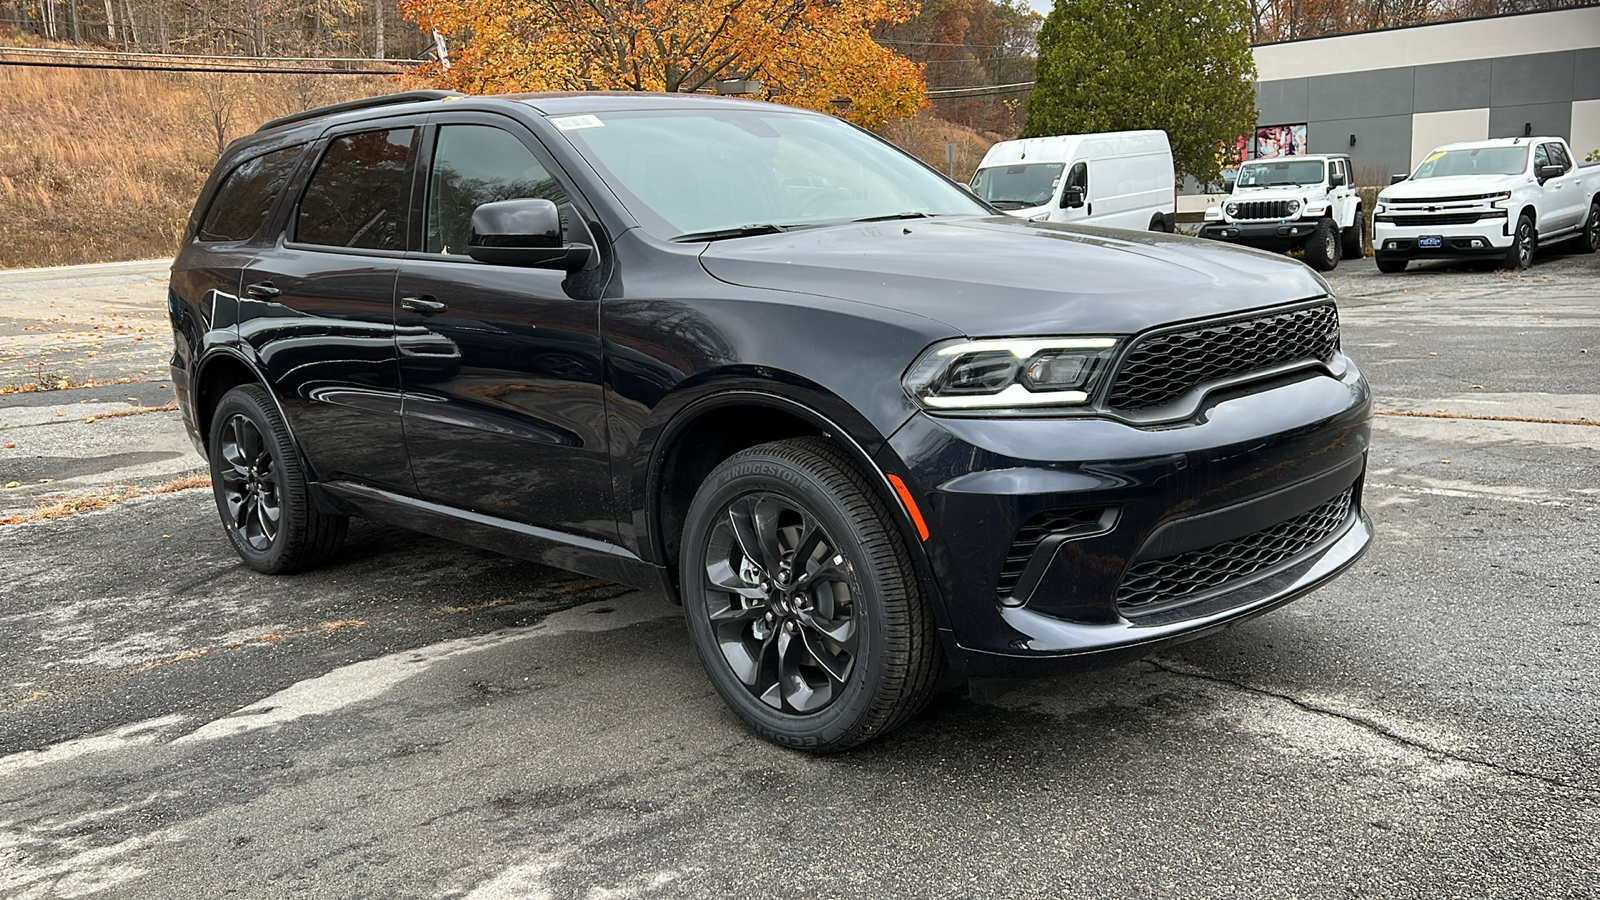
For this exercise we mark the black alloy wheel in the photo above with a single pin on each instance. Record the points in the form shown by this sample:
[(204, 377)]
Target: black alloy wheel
[(1590, 242), (1520, 256), (802, 601), (260, 489)]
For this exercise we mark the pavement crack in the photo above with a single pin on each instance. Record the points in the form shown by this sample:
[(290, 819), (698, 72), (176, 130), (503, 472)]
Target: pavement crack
[(1376, 728)]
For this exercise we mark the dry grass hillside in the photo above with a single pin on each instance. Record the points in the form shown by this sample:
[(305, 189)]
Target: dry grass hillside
[(98, 166), (104, 165)]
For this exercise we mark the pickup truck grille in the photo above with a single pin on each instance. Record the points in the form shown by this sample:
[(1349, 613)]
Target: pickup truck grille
[(1263, 209), (1162, 583), (1163, 366), (1424, 221)]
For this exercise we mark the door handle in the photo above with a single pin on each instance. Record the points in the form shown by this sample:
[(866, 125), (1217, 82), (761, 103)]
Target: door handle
[(425, 305), (262, 290)]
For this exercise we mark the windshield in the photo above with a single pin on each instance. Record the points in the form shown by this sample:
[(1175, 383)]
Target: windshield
[(1281, 172), (687, 173), (1020, 186), (1480, 161)]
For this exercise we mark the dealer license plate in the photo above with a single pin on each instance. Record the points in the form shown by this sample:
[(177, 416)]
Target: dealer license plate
[(1430, 241)]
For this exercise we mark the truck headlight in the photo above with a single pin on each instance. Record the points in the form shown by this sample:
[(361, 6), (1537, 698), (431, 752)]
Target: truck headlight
[(1497, 198), (1294, 207), (1010, 374), (1232, 210), (1379, 209)]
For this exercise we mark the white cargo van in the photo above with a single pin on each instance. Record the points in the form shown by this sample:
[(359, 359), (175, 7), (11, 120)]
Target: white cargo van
[(1122, 179)]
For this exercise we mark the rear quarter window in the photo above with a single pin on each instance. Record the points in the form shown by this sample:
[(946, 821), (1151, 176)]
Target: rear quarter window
[(245, 199)]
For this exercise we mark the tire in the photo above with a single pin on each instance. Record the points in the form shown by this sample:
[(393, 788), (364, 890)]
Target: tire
[(1389, 265), (255, 470), (825, 661), (1322, 248), (1520, 256), (1158, 223), (1590, 242), (1353, 240)]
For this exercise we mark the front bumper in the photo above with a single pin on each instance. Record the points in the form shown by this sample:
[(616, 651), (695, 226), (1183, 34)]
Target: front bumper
[(1243, 466), (1487, 237), (1280, 234)]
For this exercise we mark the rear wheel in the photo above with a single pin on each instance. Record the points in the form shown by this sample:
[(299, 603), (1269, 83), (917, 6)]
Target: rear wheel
[(260, 488), (801, 599), (1354, 239), (1590, 242), (1520, 256), (1322, 248)]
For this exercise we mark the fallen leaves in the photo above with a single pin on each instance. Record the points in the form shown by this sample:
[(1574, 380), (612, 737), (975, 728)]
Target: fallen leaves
[(1411, 414), (61, 507)]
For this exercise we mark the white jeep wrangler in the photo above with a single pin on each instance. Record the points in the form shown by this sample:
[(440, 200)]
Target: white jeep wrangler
[(1290, 202)]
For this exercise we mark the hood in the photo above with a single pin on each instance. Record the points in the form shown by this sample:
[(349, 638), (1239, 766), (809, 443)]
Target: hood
[(991, 277), (1451, 186), (1287, 192)]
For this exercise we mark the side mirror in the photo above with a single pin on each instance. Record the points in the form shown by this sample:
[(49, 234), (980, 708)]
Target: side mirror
[(1552, 171), (525, 233), (1072, 197), (1336, 179), (1228, 184), (1396, 179)]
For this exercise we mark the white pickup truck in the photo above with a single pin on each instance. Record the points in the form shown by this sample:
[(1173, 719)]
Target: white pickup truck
[(1497, 199)]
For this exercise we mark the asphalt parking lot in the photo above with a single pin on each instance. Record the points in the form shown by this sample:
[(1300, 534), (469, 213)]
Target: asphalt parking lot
[(424, 719)]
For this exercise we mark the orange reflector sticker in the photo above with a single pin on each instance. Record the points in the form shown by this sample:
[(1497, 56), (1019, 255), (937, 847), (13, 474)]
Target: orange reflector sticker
[(910, 505)]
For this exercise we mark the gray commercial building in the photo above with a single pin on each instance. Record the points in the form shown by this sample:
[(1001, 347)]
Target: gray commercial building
[(1389, 97)]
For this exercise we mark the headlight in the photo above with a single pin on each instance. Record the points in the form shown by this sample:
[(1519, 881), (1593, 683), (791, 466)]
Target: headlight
[(1294, 207), (1008, 374), (1378, 209), (1503, 195), (1232, 210)]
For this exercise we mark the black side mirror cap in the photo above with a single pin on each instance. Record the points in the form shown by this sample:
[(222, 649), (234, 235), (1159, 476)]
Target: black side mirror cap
[(1551, 171), (524, 232), (1396, 179), (1336, 180), (1072, 198)]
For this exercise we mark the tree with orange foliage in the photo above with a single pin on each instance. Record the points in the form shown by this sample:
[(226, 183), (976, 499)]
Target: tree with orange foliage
[(809, 53)]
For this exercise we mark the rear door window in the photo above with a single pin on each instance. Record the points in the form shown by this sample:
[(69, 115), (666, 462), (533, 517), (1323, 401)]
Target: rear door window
[(360, 195), (245, 199)]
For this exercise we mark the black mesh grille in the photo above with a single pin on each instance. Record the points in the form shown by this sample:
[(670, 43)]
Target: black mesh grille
[(1426, 220), (1162, 367), (1036, 529), (1158, 583), (1263, 209)]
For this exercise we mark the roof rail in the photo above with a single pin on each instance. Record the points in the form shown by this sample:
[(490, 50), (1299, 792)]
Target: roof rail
[(364, 103)]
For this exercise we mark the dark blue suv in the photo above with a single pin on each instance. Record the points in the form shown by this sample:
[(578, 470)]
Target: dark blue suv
[(861, 425)]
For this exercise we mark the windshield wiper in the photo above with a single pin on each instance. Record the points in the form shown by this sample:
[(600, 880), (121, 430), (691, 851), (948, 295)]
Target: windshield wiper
[(724, 233), (891, 216)]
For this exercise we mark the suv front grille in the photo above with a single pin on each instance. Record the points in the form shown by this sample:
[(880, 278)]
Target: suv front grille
[(1161, 367), (1263, 209), (1161, 583), (1036, 529), (1424, 220)]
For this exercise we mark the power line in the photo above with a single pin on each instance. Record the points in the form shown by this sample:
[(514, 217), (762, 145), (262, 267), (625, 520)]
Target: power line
[(240, 70), (980, 90), (195, 57)]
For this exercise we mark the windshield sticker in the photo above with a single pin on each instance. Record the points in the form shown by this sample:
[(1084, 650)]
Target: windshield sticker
[(572, 123), (1436, 154)]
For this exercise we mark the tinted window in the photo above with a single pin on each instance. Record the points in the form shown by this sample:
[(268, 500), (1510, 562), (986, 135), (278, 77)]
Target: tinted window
[(476, 164), (1541, 156), (360, 191), (246, 195), (1558, 157)]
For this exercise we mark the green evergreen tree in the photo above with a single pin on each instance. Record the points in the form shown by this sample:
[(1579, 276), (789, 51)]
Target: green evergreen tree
[(1183, 66)]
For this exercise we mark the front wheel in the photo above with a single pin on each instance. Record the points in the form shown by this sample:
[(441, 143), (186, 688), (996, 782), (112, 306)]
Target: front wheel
[(260, 488), (1520, 256), (801, 599), (1390, 265), (1322, 248)]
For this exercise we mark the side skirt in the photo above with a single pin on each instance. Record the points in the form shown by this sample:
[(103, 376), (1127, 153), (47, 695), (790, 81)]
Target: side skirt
[(541, 545)]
